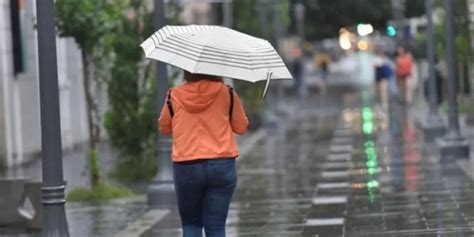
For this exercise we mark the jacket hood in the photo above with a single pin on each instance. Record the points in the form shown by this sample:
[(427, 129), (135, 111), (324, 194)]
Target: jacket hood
[(196, 97)]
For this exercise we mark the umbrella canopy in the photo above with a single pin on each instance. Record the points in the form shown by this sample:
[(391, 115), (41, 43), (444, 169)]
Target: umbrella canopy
[(216, 50)]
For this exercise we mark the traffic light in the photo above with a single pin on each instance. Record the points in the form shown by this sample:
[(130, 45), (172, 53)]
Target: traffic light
[(391, 31)]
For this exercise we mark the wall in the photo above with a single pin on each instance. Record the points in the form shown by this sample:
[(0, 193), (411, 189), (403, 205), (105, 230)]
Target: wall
[(6, 73), (20, 131)]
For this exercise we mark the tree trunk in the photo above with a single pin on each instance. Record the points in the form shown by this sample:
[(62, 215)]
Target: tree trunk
[(93, 122)]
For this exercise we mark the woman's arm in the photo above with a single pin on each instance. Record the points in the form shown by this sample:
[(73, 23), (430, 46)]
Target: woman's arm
[(164, 122), (239, 121)]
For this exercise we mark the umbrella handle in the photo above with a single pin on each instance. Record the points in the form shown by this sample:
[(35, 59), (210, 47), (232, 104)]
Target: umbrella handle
[(269, 77)]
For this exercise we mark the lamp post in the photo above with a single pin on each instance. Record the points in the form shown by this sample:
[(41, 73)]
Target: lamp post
[(54, 216), (228, 13), (277, 35), (161, 190), (299, 15), (263, 18), (453, 144), (433, 126)]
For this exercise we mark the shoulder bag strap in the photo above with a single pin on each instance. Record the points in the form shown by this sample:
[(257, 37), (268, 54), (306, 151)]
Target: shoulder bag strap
[(231, 109), (168, 102)]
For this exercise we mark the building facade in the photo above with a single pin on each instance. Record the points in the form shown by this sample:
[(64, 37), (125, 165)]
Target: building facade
[(20, 131)]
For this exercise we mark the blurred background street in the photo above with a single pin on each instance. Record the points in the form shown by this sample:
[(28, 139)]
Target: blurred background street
[(326, 154)]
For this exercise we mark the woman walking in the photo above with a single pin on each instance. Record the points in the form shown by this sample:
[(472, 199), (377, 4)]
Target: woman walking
[(404, 63), (383, 75), (202, 115)]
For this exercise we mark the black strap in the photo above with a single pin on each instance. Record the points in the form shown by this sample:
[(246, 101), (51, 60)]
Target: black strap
[(168, 102), (231, 109)]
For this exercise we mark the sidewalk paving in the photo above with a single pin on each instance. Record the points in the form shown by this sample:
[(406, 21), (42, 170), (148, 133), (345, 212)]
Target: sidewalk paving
[(276, 178), (392, 185), (317, 173)]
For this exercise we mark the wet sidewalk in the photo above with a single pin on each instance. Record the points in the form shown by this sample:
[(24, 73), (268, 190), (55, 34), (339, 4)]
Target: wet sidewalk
[(277, 177), (333, 167), (379, 179), (360, 172)]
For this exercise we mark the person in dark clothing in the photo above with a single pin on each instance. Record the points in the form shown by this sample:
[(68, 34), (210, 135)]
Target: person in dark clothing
[(297, 70), (383, 73)]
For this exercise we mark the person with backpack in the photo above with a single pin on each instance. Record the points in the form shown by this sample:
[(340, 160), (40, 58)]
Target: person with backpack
[(404, 63), (202, 116)]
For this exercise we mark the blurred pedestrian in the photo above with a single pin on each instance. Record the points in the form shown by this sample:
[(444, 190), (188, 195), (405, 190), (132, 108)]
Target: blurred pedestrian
[(202, 115), (404, 69), (298, 70), (322, 62), (383, 75)]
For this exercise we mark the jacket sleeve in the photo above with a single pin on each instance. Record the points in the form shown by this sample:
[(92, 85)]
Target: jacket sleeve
[(164, 122), (239, 121)]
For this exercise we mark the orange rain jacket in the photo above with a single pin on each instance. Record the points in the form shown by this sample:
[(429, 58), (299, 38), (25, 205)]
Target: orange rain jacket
[(200, 126)]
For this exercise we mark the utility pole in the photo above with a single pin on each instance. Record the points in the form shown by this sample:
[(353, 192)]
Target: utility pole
[(228, 22), (54, 216), (300, 18), (228, 13), (161, 191), (453, 144), (277, 36), (299, 12), (398, 12), (263, 18), (433, 127)]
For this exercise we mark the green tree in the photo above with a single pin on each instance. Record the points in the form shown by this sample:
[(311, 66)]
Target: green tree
[(246, 20), (324, 18), (131, 118), (90, 22), (461, 31), (414, 8)]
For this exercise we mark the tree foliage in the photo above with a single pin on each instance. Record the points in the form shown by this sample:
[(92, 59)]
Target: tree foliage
[(461, 30), (130, 121), (323, 18), (90, 22), (414, 8), (258, 20)]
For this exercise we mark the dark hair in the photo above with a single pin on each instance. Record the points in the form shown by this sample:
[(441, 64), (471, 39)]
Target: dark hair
[(194, 77)]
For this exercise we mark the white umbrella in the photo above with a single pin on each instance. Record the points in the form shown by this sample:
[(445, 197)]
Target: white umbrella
[(216, 50)]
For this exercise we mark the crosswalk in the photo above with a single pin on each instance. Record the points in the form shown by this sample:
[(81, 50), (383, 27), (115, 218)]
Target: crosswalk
[(327, 217)]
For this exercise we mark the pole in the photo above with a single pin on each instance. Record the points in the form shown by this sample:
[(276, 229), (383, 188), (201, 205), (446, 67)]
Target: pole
[(228, 22), (161, 190), (53, 200), (453, 145), (433, 126), (299, 15), (228, 13), (398, 12), (300, 19), (453, 118), (277, 35), (262, 15), (398, 7)]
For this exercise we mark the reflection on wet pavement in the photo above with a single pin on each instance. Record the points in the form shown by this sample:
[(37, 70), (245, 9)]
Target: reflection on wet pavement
[(362, 172), (397, 185)]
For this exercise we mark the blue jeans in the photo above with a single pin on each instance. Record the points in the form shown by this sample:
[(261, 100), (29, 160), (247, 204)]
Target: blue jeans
[(204, 190)]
